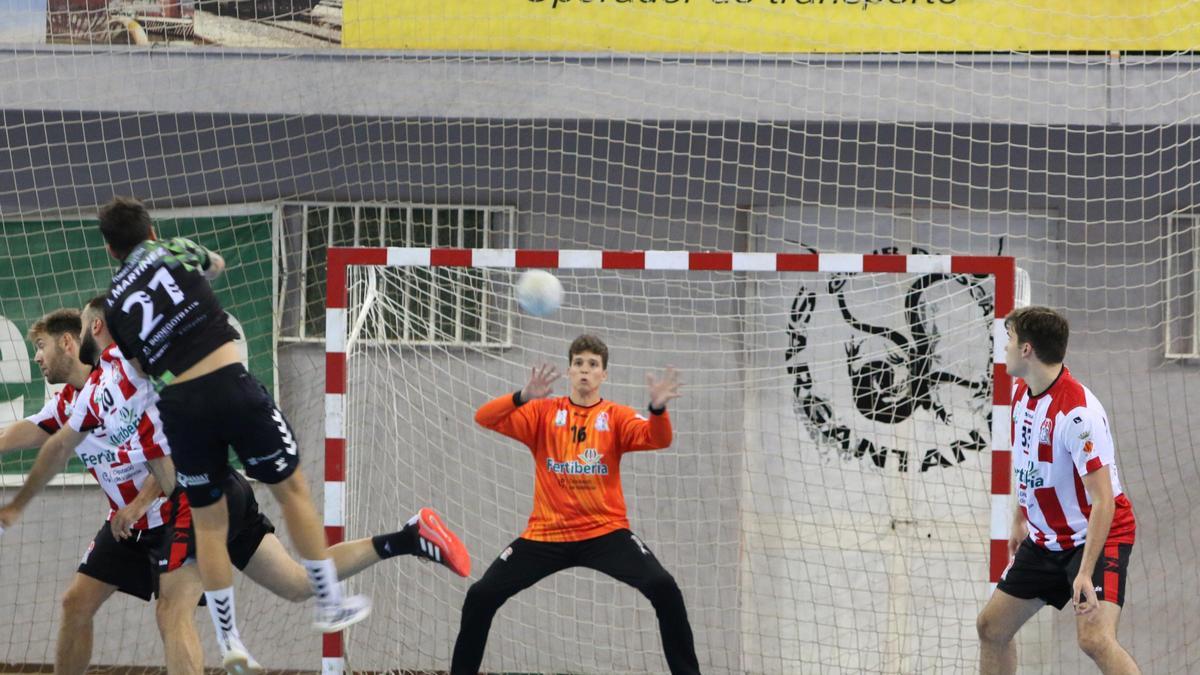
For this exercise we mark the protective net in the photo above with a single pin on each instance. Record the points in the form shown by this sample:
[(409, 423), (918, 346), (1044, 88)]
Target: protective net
[(825, 505), (1060, 133)]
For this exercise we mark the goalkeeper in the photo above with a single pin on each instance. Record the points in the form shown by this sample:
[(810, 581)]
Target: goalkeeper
[(578, 517)]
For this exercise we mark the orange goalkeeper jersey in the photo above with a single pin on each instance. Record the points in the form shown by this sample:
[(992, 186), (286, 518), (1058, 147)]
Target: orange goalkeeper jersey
[(577, 455)]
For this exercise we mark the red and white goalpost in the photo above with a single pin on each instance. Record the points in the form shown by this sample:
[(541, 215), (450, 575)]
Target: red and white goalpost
[(808, 530)]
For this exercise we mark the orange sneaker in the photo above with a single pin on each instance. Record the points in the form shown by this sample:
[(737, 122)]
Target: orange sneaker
[(436, 542)]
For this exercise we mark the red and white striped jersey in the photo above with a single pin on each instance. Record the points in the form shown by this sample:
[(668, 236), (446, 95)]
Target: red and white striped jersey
[(1059, 437), (54, 414), (119, 409)]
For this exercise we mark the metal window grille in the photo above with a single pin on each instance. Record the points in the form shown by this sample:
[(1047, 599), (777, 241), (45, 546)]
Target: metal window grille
[(441, 306)]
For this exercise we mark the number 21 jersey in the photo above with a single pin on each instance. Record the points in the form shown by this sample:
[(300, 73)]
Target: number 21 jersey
[(162, 311)]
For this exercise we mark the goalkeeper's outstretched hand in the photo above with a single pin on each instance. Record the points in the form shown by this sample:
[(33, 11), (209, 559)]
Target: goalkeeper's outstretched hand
[(541, 382), (664, 389)]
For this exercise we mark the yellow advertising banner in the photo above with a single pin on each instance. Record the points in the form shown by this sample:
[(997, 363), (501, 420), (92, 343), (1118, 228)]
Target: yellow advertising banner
[(765, 26)]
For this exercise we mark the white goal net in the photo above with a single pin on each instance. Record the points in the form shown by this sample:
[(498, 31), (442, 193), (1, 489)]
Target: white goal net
[(808, 535), (825, 505)]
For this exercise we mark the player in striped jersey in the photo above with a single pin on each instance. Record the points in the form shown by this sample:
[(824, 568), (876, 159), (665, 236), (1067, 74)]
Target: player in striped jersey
[(251, 542), (55, 339), (114, 393), (138, 528), (578, 517), (1073, 528)]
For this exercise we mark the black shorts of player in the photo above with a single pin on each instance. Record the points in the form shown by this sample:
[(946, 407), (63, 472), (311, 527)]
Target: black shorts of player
[(247, 528), (130, 564), (203, 417), (1048, 575)]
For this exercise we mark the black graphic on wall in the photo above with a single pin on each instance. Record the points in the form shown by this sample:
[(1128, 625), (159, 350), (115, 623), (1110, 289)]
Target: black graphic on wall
[(890, 386)]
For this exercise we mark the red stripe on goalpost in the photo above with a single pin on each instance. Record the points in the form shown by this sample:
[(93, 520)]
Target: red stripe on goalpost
[(1001, 472), (1002, 389), (885, 263), (450, 257), (335, 372), (717, 262), (532, 258), (1006, 287), (797, 262), (1003, 268), (331, 646), (999, 559), (975, 264), (338, 259), (623, 260), (335, 459)]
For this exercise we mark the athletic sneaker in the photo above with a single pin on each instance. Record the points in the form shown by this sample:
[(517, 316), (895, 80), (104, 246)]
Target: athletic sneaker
[(237, 660), (436, 542), (351, 610)]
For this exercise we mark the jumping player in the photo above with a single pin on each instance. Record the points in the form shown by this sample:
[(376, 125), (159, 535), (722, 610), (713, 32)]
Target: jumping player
[(252, 545), (163, 313)]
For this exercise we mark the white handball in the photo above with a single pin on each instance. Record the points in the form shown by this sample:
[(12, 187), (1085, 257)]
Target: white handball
[(539, 293)]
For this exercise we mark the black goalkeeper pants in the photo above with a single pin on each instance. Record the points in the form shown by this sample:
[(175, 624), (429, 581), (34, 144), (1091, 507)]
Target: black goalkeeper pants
[(620, 555)]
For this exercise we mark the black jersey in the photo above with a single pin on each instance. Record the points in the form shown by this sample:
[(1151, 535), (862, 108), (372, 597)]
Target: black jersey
[(162, 311)]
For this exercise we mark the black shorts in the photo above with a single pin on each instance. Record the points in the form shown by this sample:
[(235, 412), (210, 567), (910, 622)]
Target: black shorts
[(132, 565), (202, 418), (1048, 575), (247, 527)]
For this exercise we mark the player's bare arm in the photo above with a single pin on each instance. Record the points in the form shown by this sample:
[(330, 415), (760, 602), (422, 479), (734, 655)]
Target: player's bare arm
[(1098, 485), (162, 469), (22, 435), (122, 521), (216, 265), (51, 459), (663, 389), (1017, 533)]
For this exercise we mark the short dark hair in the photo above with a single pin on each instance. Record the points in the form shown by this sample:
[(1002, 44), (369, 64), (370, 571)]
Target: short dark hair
[(589, 343), (56, 323), (97, 304), (125, 223), (1042, 328)]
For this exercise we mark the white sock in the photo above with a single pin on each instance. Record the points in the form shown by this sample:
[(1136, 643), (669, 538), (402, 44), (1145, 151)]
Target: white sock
[(323, 577), (224, 615)]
